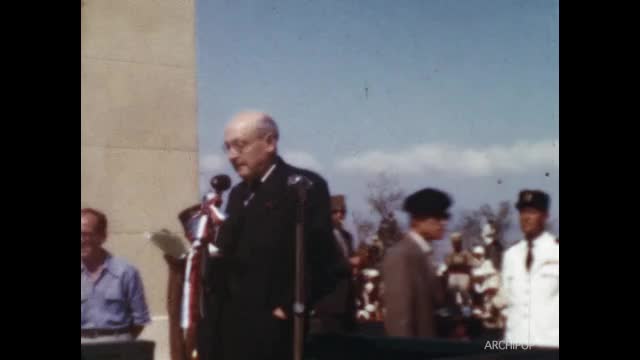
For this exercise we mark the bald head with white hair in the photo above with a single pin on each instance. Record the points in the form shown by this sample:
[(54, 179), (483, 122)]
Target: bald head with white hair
[(251, 142)]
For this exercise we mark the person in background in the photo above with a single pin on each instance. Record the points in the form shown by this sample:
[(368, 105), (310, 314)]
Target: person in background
[(412, 289), (183, 336), (531, 273), (336, 312), (487, 322), (112, 301), (459, 264), (492, 245)]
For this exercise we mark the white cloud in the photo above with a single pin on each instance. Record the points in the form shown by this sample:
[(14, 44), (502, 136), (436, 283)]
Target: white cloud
[(212, 163), (457, 160), (302, 159)]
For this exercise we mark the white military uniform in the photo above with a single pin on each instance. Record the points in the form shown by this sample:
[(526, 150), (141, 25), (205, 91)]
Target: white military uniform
[(533, 298)]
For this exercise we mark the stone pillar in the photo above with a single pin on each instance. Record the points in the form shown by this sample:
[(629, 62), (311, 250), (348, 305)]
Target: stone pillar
[(139, 152)]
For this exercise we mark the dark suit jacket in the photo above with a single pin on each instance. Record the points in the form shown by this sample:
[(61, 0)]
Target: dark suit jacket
[(257, 271), (348, 238), (412, 291), (336, 312)]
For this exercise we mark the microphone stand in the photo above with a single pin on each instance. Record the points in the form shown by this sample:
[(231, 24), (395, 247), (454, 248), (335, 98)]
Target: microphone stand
[(210, 215), (208, 219), (301, 184)]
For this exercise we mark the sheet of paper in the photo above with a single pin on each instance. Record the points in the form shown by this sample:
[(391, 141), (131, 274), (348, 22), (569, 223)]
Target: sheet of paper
[(170, 243)]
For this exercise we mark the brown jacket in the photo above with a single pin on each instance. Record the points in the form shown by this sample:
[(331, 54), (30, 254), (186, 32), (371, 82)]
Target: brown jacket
[(177, 344), (412, 291)]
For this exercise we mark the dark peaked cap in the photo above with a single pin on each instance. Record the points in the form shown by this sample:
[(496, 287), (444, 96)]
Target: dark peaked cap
[(428, 203), (533, 199)]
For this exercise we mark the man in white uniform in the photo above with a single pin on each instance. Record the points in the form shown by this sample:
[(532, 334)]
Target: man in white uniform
[(531, 277)]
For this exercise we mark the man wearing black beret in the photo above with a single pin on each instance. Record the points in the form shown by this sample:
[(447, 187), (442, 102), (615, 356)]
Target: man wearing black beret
[(531, 273), (412, 289)]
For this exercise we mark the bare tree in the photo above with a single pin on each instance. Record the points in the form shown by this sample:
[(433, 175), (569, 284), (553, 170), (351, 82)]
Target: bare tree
[(365, 228), (384, 196), (470, 226), (500, 218), (472, 221)]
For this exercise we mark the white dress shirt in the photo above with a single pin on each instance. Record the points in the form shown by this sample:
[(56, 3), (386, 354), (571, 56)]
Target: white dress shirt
[(533, 298)]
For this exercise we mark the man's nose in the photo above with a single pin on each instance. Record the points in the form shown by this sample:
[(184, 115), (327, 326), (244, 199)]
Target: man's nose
[(232, 155)]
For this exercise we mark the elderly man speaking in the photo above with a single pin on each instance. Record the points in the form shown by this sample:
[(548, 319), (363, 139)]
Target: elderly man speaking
[(251, 286)]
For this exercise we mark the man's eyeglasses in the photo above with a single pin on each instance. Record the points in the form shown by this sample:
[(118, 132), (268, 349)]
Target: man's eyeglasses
[(238, 146)]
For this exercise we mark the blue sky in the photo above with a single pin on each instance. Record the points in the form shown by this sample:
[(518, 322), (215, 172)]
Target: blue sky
[(460, 95)]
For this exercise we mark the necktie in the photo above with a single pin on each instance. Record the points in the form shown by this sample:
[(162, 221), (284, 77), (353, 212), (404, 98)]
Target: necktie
[(529, 259), (251, 191)]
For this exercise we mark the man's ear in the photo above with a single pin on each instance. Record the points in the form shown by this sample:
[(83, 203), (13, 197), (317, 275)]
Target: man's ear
[(271, 141)]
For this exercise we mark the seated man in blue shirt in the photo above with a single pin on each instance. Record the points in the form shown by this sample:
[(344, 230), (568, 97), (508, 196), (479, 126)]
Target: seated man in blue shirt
[(112, 302)]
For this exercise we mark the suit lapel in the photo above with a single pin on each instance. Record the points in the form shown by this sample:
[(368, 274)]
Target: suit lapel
[(349, 240), (271, 191), (424, 259)]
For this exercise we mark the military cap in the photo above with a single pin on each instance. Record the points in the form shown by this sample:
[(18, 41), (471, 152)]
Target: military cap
[(428, 203), (533, 199)]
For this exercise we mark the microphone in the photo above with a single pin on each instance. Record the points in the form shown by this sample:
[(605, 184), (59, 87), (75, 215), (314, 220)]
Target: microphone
[(301, 183), (219, 183), (299, 180)]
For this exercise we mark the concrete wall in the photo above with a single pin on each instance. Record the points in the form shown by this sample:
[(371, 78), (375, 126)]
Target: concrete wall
[(139, 152)]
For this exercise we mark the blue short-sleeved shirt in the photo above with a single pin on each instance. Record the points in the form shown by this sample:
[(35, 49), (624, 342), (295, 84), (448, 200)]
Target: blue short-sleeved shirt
[(116, 300)]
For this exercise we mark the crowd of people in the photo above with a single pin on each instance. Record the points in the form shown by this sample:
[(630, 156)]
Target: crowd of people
[(484, 292), (232, 295)]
